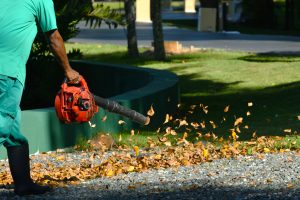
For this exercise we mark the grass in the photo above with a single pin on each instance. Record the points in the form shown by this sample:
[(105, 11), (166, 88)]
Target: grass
[(220, 78)]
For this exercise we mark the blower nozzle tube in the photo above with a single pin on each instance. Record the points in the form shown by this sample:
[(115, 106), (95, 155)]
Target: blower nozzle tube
[(113, 106)]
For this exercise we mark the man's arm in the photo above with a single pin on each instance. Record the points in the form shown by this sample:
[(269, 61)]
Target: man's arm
[(58, 49)]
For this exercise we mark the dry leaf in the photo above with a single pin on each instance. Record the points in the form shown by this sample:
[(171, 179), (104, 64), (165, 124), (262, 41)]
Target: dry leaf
[(92, 125), (250, 104), (213, 124), (168, 143), (150, 111), (183, 123), (132, 132), (234, 135), (173, 132), (110, 173), (130, 169), (120, 138), (167, 119), (205, 153), (226, 109), (104, 118), (202, 124), (287, 130), (136, 150), (195, 125), (266, 150), (238, 121), (248, 113), (185, 135), (120, 122), (193, 107), (61, 158), (298, 117)]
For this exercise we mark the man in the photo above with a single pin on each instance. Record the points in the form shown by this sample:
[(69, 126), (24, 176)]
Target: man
[(18, 27)]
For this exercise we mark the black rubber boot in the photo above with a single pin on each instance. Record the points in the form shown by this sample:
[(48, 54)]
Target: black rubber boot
[(18, 158)]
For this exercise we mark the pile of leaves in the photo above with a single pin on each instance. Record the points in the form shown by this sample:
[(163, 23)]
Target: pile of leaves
[(170, 150)]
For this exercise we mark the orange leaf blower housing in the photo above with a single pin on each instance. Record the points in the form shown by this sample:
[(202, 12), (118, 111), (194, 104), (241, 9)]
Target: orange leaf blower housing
[(75, 103)]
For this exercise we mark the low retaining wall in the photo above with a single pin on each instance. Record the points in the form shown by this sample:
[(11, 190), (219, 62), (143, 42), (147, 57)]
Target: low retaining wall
[(133, 87)]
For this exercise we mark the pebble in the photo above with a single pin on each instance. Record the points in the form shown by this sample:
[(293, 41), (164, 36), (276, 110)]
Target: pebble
[(275, 176)]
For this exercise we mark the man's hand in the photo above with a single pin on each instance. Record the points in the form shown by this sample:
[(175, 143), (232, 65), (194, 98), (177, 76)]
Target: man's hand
[(58, 49), (72, 76)]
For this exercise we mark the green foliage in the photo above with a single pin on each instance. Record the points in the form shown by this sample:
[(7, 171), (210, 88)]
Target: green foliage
[(104, 13), (68, 14), (259, 12)]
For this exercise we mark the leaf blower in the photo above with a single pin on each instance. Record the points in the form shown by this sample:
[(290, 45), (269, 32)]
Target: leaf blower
[(75, 103)]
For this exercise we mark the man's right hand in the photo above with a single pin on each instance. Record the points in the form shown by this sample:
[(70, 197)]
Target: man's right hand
[(72, 76)]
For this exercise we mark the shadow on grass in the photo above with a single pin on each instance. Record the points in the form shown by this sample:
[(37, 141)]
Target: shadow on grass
[(275, 109), (272, 57)]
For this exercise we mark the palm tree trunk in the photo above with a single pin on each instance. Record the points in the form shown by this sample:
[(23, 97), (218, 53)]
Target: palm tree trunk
[(131, 30), (159, 49)]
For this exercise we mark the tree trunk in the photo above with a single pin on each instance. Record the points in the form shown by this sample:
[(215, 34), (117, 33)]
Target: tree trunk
[(159, 49), (289, 14), (131, 30)]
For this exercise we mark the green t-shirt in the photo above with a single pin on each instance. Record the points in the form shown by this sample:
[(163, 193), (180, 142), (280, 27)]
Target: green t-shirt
[(18, 28)]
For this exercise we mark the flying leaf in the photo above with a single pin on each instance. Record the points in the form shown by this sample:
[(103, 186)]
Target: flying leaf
[(185, 135), (120, 122), (193, 107), (287, 130), (164, 139), (150, 111), (202, 124), (132, 132), (205, 109), (298, 117), (234, 135), (248, 113), (238, 121), (173, 132), (226, 109), (167, 118), (92, 125), (213, 124), (104, 118), (183, 123), (136, 150), (250, 104)]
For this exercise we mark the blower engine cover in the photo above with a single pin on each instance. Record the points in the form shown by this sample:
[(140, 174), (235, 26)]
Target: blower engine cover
[(75, 103)]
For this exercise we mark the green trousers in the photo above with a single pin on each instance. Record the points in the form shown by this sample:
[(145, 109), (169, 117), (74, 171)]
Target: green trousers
[(10, 113)]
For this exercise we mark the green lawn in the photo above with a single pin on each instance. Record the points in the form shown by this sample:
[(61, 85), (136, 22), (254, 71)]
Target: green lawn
[(220, 78)]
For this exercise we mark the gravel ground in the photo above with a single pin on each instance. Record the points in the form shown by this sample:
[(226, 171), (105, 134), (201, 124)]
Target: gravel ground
[(272, 176)]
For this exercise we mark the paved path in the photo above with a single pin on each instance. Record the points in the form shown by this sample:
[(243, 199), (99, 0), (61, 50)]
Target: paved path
[(226, 40)]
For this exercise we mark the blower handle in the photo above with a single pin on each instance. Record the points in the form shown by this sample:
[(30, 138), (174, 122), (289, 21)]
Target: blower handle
[(113, 106), (81, 82)]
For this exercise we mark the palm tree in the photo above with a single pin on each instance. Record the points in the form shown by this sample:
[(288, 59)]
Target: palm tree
[(159, 49), (131, 30)]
